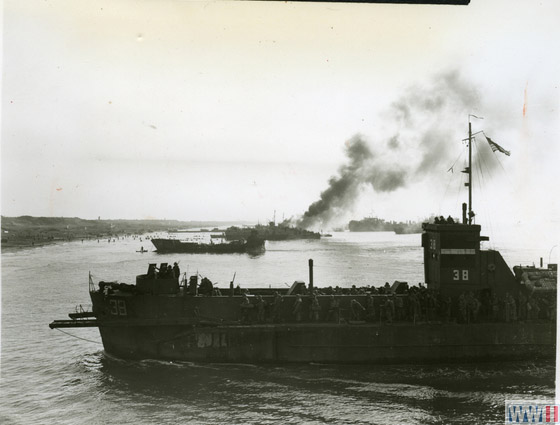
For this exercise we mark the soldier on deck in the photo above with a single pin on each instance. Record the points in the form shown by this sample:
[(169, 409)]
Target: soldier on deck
[(535, 308), (334, 310), (513, 308), (298, 307), (246, 306), (356, 308), (370, 308), (417, 309), (389, 310), (399, 307), (495, 307), (176, 271), (260, 304), (431, 305), (447, 309), (463, 308), (507, 307), (315, 308), (276, 307), (470, 305), (522, 306)]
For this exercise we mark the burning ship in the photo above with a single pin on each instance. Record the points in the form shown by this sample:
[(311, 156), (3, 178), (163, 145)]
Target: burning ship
[(473, 306), (271, 232)]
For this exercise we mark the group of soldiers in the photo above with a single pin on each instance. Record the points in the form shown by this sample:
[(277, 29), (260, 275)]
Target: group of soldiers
[(417, 304), (165, 271)]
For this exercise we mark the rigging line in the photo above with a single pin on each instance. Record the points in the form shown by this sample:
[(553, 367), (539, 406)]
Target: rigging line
[(459, 188), (455, 162), (492, 174), (480, 164), (484, 200), (75, 336), (484, 163), (449, 180), (504, 170)]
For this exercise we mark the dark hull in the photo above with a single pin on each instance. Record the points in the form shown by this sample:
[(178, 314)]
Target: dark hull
[(177, 246), (331, 343), (271, 233)]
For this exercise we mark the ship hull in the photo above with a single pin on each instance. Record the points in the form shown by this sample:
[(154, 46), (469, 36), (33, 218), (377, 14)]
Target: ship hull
[(176, 246), (332, 343)]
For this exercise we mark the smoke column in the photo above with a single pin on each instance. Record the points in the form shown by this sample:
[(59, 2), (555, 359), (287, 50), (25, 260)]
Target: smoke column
[(423, 128)]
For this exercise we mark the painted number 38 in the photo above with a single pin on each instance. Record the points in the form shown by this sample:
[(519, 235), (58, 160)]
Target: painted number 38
[(460, 275)]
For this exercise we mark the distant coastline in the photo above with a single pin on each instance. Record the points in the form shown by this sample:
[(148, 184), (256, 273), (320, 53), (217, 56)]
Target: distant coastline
[(28, 231)]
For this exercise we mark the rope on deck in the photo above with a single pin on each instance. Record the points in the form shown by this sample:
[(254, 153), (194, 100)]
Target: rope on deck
[(79, 337)]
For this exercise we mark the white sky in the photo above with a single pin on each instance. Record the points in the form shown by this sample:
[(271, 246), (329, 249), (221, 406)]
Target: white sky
[(231, 110)]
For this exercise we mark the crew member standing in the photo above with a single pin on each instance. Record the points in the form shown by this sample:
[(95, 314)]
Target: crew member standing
[(176, 271)]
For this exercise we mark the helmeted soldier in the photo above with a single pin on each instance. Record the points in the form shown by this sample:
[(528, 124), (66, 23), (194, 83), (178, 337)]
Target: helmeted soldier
[(389, 309), (463, 308), (334, 309), (276, 307), (399, 307), (298, 307), (315, 308), (370, 308), (176, 271), (246, 306), (260, 304), (356, 309)]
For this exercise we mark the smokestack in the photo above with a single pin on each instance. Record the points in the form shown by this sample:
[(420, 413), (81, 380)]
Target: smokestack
[(464, 213), (310, 276), (541, 263)]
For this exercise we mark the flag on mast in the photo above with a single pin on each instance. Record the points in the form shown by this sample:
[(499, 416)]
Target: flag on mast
[(495, 147)]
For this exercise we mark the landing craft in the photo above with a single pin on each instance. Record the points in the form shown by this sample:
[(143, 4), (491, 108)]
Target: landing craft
[(473, 307)]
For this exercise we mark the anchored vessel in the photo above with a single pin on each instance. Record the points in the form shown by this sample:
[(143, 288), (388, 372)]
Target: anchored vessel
[(374, 224), (473, 307), (252, 244), (272, 232)]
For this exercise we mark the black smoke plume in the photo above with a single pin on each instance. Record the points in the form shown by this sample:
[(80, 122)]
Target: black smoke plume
[(423, 127)]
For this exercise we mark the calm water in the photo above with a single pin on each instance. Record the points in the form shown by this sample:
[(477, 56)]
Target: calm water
[(50, 377)]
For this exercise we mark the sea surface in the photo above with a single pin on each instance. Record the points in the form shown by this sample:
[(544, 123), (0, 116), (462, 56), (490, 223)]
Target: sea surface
[(51, 377)]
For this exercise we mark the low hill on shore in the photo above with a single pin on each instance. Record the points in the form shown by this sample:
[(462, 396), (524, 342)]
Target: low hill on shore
[(35, 231)]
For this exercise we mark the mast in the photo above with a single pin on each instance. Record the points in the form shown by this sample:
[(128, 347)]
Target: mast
[(469, 168), (470, 172)]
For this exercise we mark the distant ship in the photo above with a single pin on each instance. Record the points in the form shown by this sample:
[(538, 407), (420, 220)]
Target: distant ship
[(271, 232), (251, 244), (374, 224)]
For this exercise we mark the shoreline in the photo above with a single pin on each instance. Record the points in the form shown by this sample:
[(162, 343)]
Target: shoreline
[(33, 232)]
